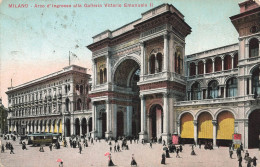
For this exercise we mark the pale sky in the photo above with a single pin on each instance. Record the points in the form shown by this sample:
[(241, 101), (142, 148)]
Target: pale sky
[(36, 41)]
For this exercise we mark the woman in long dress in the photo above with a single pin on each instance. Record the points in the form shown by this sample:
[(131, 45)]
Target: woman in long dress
[(110, 162), (133, 162)]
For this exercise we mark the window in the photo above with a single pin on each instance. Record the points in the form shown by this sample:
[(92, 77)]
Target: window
[(253, 48), (227, 62), (152, 64), (255, 81), (235, 60), (200, 67), (209, 66), (67, 104), (81, 89), (79, 104), (159, 61), (101, 76), (195, 91), (218, 64), (105, 75), (192, 69), (213, 89), (231, 87)]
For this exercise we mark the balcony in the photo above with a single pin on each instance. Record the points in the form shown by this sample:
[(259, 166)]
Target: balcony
[(161, 76), (214, 74), (215, 101)]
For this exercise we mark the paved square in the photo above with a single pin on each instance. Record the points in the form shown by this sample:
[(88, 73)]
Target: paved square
[(94, 156)]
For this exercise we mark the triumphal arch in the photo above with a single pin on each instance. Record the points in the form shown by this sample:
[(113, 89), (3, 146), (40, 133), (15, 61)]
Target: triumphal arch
[(138, 73)]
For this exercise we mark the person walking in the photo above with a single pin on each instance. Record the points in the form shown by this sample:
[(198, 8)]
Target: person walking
[(61, 164), (12, 149), (151, 144), (50, 146), (163, 158), (110, 162), (177, 152), (115, 149), (2, 149), (230, 153), (254, 161), (80, 148), (240, 161), (133, 162)]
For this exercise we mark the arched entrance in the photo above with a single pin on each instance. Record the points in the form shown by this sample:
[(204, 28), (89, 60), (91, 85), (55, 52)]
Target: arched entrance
[(90, 124), (205, 127), (67, 127), (187, 128), (225, 128), (84, 126), (254, 129), (77, 127), (156, 121), (120, 123), (125, 77)]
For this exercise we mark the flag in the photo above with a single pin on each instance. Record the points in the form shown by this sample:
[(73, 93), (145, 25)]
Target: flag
[(74, 55)]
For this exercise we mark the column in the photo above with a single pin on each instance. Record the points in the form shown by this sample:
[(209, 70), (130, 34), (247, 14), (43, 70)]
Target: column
[(225, 92), (94, 120), (165, 135), (108, 133), (250, 86), (246, 51), (188, 70), (204, 70), (179, 127), (129, 112), (108, 68), (94, 67), (165, 52), (196, 68), (246, 134), (195, 123), (232, 62), (213, 65), (222, 61), (245, 87), (87, 128), (143, 133), (214, 122), (80, 128), (142, 59), (43, 127)]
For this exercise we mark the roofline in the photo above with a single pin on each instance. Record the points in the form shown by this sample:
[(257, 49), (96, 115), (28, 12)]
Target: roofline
[(212, 49), (43, 78)]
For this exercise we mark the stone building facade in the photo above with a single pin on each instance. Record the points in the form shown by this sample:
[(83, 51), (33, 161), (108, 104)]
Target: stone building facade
[(56, 103), (144, 84), (3, 119)]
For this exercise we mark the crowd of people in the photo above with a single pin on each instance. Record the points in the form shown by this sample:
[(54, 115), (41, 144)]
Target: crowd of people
[(169, 149)]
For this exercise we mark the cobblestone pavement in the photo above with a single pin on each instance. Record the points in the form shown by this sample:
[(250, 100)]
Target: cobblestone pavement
[(94, 156)]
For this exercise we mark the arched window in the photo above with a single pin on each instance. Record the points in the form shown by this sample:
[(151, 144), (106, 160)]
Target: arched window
[(218, 64), (209, 66), (101, 76), (79, 104), (227, 62), (159, 62), (192, 69), (195, 91), (105, 75), (77, 89), (253, 48), (178, 61), (67, 104), (201, 67), (255, 81), (231, 87), (152, 64), (213, 89), (81, 89), (235, 60)]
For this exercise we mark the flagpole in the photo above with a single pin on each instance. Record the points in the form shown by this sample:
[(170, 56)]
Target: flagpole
[(69, 58)]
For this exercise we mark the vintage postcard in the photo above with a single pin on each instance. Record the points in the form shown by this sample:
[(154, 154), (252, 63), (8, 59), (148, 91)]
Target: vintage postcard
[(129, 83)]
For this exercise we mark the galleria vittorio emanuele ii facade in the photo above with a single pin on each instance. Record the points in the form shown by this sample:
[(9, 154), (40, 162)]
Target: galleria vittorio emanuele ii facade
[(144, 85)]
